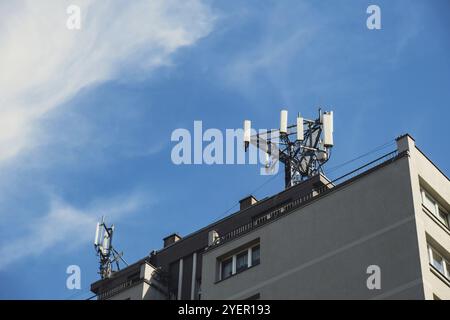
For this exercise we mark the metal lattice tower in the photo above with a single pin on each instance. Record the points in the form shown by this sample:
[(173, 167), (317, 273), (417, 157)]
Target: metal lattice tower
[(105, 251), (303, 148)]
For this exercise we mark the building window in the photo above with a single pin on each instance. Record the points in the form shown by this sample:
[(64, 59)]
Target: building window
[(227, 268), (255, 255), (444, 217), (438, 261), (242, 261), (428, 202), (435, 208), (239, 262)]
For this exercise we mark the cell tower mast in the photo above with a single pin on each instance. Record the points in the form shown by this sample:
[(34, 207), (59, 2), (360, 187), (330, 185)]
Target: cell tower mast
[(303, 148), (105, 251)]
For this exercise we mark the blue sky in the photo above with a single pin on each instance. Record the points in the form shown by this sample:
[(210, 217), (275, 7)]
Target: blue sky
[(86, 116)]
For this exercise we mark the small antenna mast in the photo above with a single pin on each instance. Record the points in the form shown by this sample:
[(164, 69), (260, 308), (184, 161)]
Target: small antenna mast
[(105, 251), (303, 148)]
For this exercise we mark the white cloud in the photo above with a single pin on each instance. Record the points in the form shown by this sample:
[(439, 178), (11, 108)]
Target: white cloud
[(288, 30), (272, 56), (66, 226), (43, 64)]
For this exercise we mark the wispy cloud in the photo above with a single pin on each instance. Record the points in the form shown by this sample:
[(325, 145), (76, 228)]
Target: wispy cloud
[(43, 64), (304, 49), (271, 57), (287, 31), (67, 226)]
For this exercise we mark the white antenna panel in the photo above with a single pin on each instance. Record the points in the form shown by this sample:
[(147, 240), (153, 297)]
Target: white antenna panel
[(267, 160), (300, 135), (247, 130), (104, 248), (283, 121), (106, 242), (302, 152), (328, 129), (96, 234)]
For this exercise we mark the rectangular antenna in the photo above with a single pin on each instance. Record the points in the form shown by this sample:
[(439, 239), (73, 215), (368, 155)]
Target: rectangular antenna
[(283, 121), (328, 129), (247, 130), (96, 234), (106, 242), (300, 135)]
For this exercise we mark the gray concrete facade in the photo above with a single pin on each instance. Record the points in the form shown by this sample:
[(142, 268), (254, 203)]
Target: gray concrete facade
[(316, 240), (323, 250)]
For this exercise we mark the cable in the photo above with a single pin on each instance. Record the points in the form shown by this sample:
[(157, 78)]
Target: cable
[(381, 147), (364, 166), (266, 182), (252, 192)]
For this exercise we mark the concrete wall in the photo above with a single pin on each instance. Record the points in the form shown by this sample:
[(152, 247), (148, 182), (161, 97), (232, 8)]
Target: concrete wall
[(168, 258), (322, 250), (144, 288), (425, 174), (134, 293)]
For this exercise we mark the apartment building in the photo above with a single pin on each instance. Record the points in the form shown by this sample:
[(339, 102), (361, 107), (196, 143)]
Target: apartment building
[(319, 239)]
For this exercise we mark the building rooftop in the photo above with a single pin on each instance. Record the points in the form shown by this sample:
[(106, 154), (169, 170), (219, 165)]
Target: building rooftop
[(252, 215)]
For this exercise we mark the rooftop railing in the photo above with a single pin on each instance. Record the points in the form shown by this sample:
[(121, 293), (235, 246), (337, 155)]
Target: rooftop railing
[(301, 201)]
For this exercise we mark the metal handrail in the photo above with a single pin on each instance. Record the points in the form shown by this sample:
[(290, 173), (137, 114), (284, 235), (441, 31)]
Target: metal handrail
[(283, 210)]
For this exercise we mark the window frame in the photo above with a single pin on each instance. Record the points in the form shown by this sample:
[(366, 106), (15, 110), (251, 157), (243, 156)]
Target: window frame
[(437, 209), (222, 269), (244, 254), (427, 197), (446, 218), (445, 262), (255, 262), (250, 263)]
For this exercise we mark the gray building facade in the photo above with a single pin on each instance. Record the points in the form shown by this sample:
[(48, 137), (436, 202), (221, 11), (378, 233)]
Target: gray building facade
[(380, 233)]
